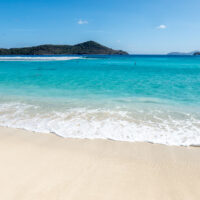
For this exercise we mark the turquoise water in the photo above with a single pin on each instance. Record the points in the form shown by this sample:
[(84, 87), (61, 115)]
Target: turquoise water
[(129, 98)]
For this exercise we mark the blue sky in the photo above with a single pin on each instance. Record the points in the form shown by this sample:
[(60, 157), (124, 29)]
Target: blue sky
[(138, 26)]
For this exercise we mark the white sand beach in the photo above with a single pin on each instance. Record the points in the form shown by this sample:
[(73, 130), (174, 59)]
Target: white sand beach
[(48, 167)]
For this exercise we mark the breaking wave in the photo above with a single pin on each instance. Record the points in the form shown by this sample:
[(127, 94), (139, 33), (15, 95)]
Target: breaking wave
[(170, 128), (37, 58)]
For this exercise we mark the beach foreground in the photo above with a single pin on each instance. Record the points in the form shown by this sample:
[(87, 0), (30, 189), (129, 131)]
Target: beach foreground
[(45, 166)]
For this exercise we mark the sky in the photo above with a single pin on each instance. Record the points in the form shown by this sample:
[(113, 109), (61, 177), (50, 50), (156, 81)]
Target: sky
[(136, 26)]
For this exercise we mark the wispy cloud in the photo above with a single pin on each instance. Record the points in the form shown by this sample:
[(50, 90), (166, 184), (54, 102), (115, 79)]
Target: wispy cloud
[(82, 22), (162, 26)]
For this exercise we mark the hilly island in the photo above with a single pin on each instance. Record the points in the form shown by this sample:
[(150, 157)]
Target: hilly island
[(89, 47)]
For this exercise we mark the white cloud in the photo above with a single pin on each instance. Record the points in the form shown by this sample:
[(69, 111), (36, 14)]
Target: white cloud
[(82, 22), (162, 26)]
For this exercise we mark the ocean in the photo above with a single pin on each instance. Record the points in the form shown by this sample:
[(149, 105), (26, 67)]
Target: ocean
[(128, 98)]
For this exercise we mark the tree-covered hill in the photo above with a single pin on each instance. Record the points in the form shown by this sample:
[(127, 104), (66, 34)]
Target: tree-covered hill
[(89, 47)]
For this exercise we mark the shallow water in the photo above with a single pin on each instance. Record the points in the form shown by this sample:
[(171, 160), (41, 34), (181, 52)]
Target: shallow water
[(129, 98)]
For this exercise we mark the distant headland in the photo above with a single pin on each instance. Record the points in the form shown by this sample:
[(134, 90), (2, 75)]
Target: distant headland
[(89, 47), (197, 54), (183, 53)]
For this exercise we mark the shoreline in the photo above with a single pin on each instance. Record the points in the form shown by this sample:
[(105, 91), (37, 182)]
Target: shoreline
[(45, 166), (109, 139)]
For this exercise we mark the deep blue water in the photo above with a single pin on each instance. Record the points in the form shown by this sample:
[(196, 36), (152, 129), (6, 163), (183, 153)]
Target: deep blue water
[(134, 98)]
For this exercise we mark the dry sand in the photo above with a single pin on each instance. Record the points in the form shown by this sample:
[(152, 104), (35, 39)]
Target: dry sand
[(46, 167)]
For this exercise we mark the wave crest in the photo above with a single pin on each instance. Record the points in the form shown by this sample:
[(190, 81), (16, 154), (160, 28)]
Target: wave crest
[(38, 58)]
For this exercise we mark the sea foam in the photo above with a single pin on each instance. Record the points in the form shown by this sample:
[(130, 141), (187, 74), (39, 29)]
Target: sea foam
[(38, 58), (104, 124)]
